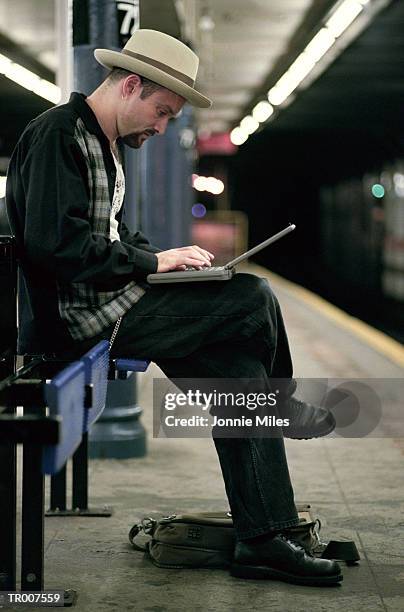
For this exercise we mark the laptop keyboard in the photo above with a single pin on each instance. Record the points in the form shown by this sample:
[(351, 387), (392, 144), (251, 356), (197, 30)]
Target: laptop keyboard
[(209, 269)]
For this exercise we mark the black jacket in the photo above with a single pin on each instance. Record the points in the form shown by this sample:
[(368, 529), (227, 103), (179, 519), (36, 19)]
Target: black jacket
[(47, 192)]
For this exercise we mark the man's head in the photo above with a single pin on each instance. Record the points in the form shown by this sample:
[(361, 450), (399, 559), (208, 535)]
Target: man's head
[(143, 107), (160, 58)]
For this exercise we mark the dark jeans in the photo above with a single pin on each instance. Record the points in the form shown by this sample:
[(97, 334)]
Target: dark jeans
[(231, 329)]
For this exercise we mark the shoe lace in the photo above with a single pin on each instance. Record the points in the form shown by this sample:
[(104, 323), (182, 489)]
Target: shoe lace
[(295, 543), (297, 403)]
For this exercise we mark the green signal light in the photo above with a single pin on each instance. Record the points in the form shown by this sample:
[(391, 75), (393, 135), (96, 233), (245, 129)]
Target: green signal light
[(378, 190)]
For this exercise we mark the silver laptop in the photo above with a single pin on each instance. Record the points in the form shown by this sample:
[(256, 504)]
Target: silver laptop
[(220, 273)]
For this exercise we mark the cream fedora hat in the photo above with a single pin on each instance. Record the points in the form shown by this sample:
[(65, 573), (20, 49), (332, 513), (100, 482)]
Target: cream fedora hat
[(160, 58)]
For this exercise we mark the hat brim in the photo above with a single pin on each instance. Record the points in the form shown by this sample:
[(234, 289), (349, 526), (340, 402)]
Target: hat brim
[(115, 59)]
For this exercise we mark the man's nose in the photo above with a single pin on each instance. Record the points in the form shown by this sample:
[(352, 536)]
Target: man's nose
[(161, 126)]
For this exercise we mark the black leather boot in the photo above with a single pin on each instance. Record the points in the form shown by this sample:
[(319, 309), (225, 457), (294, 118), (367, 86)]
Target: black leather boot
[(276, 557), (305, 420)]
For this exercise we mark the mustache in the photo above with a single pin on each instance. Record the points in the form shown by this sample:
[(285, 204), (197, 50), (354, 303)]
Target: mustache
[(150, 132)]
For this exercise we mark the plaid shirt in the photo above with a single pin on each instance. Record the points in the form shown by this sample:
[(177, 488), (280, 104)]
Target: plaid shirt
[(60, 186), (87, 310)]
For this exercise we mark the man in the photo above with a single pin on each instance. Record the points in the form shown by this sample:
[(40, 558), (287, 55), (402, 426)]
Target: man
[(84, 271)]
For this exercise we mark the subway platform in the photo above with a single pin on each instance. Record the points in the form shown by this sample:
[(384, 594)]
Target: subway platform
[(355, 486)]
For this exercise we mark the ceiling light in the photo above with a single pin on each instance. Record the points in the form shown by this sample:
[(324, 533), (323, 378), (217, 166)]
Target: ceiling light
[(343, 17), (301, 67), (4, 63), (291, 79), (283, 89), (262, 111), (29, 80), (320, 44), (276, 96), (249, 124), (238, 136)]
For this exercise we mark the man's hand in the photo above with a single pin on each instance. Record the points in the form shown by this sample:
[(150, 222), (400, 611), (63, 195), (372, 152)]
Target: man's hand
[(179, 259)]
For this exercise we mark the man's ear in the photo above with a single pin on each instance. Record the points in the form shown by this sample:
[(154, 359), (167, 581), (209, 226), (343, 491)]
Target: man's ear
[(130, 85)]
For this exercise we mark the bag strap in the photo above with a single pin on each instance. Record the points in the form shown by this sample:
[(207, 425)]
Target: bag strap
[(148, 527)]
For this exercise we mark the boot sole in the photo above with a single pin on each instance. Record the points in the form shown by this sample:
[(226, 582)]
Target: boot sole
[(256, 572)]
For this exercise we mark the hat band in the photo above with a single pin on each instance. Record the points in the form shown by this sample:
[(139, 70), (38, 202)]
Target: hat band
[(156, 64)]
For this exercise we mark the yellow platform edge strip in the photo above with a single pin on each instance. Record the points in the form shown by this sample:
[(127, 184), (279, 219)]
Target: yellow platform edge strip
[(374, 338)]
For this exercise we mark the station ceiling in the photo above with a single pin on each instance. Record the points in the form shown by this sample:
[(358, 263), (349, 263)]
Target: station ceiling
[(362, 89), (250, 41)]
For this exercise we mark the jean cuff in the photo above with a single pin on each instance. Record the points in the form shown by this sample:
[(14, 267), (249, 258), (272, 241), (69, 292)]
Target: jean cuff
[(278, 526)]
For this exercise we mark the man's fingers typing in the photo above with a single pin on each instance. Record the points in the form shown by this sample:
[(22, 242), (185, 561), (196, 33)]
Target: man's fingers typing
[(176, 258), (207, 254)]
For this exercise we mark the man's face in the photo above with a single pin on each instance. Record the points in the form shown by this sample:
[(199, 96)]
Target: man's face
[(139, 119)]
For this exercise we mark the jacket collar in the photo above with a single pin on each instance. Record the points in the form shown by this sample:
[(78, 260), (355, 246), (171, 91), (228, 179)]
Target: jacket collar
[(78, 101)]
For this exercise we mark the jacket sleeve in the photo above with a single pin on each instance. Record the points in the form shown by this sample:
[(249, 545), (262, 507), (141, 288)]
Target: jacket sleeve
[(137, 239), (58, 236)]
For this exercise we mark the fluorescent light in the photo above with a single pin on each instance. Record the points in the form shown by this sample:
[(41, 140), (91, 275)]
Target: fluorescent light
[(3, 180), (276, 95), (48, 90), (238, 136), (343, 17), (291, 79), (4, 63), (344, 14), (320, 44), (249, 124), (22, 76), (29, 80), (301, 67), (262, 111), (317, 47)]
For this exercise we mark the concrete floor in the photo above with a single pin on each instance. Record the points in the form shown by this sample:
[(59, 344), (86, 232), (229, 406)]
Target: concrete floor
[(355, 486)]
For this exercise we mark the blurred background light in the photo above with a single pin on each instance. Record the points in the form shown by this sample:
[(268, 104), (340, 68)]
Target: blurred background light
[(214, 185), (320, 44), (206, 23), (343, 17), (378, 190), (238, 136), (249, 124), (207, 183), (262, 111), (200, 183), (398, 179), (198, 210)]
